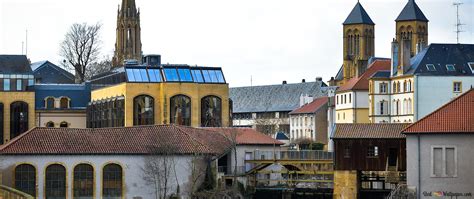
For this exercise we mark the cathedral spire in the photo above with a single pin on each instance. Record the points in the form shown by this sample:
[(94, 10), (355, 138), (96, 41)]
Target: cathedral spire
[(128, 43)]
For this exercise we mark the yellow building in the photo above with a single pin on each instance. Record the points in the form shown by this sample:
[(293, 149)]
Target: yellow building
[(179, 94), (17, 100)]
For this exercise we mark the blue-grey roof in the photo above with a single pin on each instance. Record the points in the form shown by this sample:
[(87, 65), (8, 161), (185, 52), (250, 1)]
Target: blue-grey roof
[(46, 72), (80, 94), (281, 136), (358, 15), (411, 12), (381, 74), (339, 75), (14, 64), (440, 55), (272, 98)]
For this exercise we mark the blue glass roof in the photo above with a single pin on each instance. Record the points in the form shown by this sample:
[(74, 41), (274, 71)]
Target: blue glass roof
[(178, 73)]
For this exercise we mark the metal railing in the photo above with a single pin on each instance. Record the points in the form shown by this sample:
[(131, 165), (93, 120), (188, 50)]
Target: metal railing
[(293, 155), (10, 193)]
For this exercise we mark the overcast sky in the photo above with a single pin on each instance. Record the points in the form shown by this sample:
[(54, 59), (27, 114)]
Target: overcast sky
[(268, 40)]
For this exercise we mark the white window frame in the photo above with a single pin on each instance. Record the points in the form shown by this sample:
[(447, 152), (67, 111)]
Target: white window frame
[(428, 67), (443, 162), (471, 66), (447, 68), (459, 88)]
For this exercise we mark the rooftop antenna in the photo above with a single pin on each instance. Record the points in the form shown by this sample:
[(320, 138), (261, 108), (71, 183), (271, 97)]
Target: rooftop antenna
[(26, 43), (251, 80), (22, 45), (458, 21)]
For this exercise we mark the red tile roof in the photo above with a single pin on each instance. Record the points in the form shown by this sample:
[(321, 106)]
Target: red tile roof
[(362, 82), (370, 131), (124, 140), (311, 107), (247, 136), (457, 116)]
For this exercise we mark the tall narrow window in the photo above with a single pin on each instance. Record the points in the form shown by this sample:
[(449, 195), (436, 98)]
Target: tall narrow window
[(143, 110), (55, 182), (83, 181), (6, 84), (112, 181), (211, 111), (457, 88), (25, 179), (19, 84), (64, 103), (50, 102), (18, 118), (180, 112)]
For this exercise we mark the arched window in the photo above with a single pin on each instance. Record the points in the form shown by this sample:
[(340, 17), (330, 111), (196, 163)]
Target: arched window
[(211, 111), (180, 110), (112, 181), (50, 102), (63, 124), (64, 103), (394, 87), (405, 86), (50, 124), (55, 182), (25, 179), (18, 118), (410, 111), (143, 110), (83, 181), (1, 124)]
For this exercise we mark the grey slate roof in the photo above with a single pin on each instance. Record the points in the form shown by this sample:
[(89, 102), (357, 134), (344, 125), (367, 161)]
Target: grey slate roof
[(358, 15), (14, 64), (272, 98), (48, 73), (411, 12), (441, 54)]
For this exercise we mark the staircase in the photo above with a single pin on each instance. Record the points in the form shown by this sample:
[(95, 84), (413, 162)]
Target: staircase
[(10, 193)]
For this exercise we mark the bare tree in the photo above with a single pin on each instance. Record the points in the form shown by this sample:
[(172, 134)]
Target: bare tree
[(80, 48), (98, 67), (159, 170), (198, 167)]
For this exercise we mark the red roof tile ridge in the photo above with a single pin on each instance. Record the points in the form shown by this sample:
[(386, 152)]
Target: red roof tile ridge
[(321, 100), (14, 140), (192, 137), (438, 109)]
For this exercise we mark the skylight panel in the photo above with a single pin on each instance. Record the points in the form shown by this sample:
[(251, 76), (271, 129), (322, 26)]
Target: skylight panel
[(450, 67), (197, 75), (471, 66), (171, 74), (430, 67), (130, 76), (185, 75)]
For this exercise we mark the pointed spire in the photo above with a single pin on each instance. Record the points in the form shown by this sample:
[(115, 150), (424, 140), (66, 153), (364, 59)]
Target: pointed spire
[(128, 8), (358, 15), (411, 12)]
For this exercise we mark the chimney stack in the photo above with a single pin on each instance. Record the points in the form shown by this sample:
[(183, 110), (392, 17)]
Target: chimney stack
[(284, 82), (395, 53), (303, 81), (320, 79), (405, 56)]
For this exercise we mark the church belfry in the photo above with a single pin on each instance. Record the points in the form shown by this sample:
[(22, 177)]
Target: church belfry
[(128, 42), (358, 42), (412, 25)]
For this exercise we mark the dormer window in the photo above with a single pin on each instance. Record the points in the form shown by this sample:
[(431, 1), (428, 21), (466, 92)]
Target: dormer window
[(430, 67), (50, 103), (450, 67), (64, 103), (471, 66)]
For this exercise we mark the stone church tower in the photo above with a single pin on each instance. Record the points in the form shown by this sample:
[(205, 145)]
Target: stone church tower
[(128, 44), (358, 43)]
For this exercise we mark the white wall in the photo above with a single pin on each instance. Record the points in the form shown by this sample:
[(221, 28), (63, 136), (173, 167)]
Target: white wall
[(132, 166), (435, 91)]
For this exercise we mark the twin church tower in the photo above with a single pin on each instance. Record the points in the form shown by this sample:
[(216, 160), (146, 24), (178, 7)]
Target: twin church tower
[(359, 33)]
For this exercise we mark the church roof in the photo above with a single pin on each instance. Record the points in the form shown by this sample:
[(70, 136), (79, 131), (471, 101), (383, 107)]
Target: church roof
[(411, 12), (358, 15)]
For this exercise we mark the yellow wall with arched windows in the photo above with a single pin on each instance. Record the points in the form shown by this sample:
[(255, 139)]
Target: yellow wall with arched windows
[(6, 98), (162, 92)]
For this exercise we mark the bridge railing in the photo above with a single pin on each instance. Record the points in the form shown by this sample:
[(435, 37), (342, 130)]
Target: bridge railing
[(293, 155), (10, 193)]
